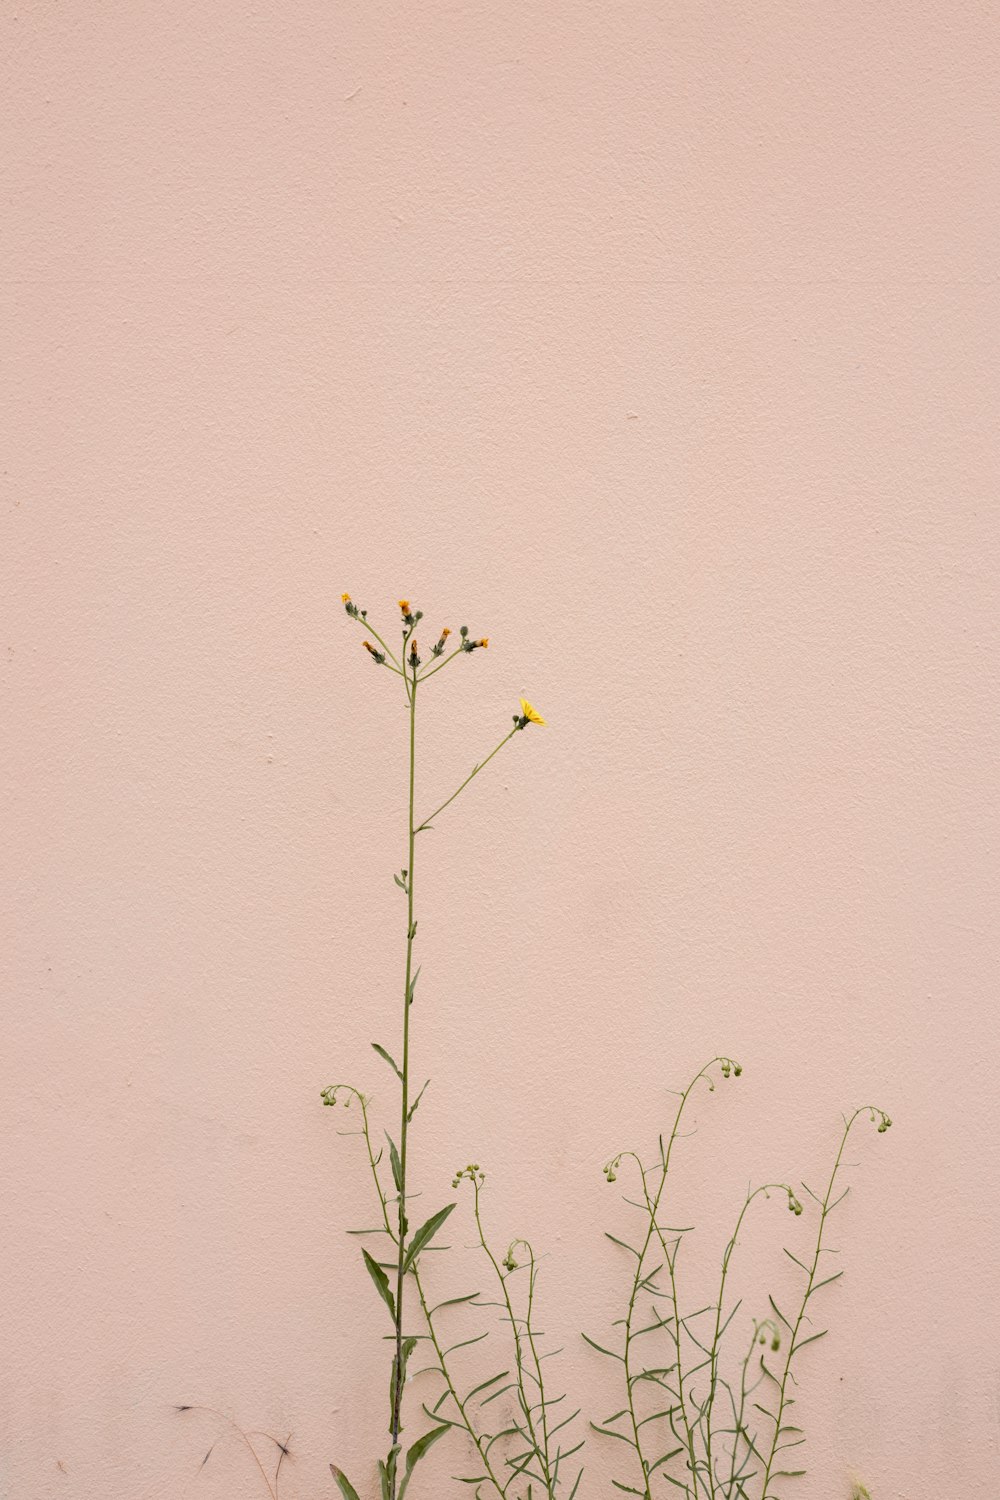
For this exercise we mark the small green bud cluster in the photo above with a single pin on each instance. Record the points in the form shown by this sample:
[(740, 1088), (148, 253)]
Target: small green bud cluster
[(610, 1168), (769, 1333), (883, 1120), (508, 1262), (794, 1206), (727, 1065), (472, 1173), (342, 1093)]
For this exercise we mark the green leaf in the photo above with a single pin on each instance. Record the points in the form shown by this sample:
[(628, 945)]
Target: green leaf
[(417, 1451), (413, 985), (455, 1302), (386, 1058), (609, 1352), (486, 1385), (387, 1472), (397, 1169), (406, 1349), (500, 1391), (799, 1263), (413, 1107), (381, 1281), (343, 1483), (630, 1248), (424, 1235), (610, 1432), (464, 1343), (665, 1459), (801, 1344)]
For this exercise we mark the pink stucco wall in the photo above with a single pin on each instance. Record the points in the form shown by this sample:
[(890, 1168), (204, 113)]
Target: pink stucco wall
[(659, 342)]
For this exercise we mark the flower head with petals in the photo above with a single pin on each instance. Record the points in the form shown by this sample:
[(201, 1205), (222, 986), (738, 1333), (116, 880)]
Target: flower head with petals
[(530, 715)]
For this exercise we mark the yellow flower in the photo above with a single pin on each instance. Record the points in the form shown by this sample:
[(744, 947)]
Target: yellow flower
[(531, 714), (484, 642), (345, 598), (404, 605)]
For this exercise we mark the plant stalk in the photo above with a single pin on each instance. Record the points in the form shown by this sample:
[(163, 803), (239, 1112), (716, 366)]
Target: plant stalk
[(397, 1393)]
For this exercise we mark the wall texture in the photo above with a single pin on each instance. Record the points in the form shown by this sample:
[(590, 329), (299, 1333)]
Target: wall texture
[(659, 342)]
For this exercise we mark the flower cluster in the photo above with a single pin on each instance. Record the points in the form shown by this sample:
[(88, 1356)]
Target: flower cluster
[(407, 663)]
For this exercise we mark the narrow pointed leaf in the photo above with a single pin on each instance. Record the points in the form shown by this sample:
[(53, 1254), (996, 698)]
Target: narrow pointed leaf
[(609, 1352), (385, 1056), (810, 1340), (454, 1302), (394, 1162), (416, 1452), (343, 1483), (486, 1385), (425, 1234), (413, 1107), (381, 1281)]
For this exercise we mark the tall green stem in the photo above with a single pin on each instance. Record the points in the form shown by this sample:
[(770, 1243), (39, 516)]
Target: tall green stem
[(655, 1230), (717, 1334), (826, 1207), (397, 1393), (540, 1448)]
